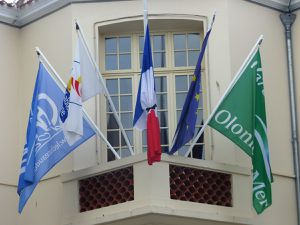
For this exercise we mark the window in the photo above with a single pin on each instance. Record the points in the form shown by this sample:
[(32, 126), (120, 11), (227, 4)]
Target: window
[(117, 53), (174, 57)]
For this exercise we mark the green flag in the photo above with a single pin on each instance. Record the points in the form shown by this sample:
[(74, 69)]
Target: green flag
[(241, 117)]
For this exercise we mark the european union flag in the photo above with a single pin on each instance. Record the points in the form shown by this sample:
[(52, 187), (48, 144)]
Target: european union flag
[(45, 144), (186, 125)]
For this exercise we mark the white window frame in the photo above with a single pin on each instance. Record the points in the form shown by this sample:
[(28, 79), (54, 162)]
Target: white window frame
[(170, 70)]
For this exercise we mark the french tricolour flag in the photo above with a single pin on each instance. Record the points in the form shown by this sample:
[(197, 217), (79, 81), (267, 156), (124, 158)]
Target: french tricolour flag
[(145, 116)]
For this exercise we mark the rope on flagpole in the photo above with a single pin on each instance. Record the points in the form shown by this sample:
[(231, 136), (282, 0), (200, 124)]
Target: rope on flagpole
[(81, 35), (235, 79), (62, 84)]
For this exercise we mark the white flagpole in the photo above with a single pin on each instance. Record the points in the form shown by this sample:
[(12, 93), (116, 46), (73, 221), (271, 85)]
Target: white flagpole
[(89, 120), (81, 35), (235, 79), (145, 16)]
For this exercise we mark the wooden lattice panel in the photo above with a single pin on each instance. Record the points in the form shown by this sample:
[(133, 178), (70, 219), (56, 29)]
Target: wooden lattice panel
[(106, 189), (202, 186)]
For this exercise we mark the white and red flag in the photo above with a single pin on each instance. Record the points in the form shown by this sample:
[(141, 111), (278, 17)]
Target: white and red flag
[(145, 116)]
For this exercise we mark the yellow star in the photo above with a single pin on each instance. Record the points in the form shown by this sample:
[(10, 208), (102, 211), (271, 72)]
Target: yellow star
[(194, 78), (197, 97)]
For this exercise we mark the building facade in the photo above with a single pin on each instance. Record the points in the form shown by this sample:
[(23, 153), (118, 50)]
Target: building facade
[(213, 185)]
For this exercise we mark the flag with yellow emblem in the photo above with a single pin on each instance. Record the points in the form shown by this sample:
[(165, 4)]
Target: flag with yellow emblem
[(83, 84), (186, 125)]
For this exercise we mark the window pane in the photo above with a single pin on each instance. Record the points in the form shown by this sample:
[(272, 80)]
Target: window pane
[(178, 113), (163, 119), (124, 44), (111, 122), (125, 86), (162, 101), (198, 151), (181, 83), (183, 150), (125, 152), (111, 62), (180, 58), (193, 57), (179, 42), (159, 59), (199, 117), (126, 119), (129, 135), (141, 43), (180, 98), (144, 137), (113, 138), (125, 61), (161, 84), (193, 41), (110, 45), (115, 100), (158, 42), (141, 60), (126, 103), (112, 86), (164, 136)]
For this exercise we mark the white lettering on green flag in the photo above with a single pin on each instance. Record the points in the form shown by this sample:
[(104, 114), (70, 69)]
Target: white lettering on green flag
[(241, 117)]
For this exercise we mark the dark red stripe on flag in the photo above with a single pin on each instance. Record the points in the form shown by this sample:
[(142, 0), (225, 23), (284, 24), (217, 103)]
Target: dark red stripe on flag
[(153, 138)]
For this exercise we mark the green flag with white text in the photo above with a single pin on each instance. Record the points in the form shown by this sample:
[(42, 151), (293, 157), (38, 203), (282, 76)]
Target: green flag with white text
[(241, 117)]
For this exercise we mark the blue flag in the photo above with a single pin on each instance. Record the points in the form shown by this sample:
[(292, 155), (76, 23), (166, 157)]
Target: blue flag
[(186, 125), (45, 144)]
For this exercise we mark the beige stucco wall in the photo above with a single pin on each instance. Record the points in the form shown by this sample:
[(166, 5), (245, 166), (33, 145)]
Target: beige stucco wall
[(9, 120), (236, 29)]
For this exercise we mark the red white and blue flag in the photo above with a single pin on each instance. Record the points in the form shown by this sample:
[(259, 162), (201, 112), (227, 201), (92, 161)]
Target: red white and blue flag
[(145, 116)]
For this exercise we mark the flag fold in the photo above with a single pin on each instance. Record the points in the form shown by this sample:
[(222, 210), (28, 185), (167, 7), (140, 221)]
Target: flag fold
[(187, 122), (46, 143), (145, 115), (241, 117), (83, 84)]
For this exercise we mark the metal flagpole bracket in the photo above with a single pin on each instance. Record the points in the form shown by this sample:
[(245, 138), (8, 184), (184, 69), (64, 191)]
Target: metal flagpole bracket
[(77, 25)]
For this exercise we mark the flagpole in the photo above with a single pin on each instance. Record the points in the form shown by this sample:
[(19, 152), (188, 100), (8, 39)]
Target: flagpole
[(81, 35), (89, 120), (235, 79), (145, 16)]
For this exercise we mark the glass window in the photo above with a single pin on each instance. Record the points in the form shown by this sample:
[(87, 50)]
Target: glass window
[(121, 93), (122, 74), (158, 50), (117, 53), (186, 49)]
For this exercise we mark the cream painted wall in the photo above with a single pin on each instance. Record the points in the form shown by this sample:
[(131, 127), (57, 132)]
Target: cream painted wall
[(55, 36), (9, 120)]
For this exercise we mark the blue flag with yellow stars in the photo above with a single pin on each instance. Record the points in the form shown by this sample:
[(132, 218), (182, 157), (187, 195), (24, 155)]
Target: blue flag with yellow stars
[(186, 125)]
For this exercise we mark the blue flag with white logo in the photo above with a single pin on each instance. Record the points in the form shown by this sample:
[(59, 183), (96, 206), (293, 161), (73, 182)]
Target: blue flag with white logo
[(46, 144), (186, 125)]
